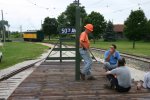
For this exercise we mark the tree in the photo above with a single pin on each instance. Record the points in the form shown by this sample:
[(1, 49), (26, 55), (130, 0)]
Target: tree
[(147, 34), (135, 26), (67, 18), (16, 34), (109, 34), (49, 26), (3, 24), (99, 23), (62, 20)]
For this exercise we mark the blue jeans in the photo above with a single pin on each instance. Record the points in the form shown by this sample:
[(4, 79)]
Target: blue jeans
[(87, 62), (108, 66)]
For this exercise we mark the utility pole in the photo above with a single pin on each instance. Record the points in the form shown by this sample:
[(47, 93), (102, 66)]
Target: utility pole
[(41, 24), (8, 33), (77, 69), (20, 28), (3, 26)]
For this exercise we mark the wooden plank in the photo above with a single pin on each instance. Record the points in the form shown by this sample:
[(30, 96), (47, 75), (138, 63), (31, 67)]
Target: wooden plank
[(53, 81)]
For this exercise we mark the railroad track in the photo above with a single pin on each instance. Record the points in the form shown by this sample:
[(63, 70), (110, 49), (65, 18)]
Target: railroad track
[(10, 81), (9, 85), (5, 77), (14, 72), (145, 59), (140, 63), (126, 55)]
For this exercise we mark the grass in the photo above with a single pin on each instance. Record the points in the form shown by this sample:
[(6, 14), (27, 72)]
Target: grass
[(15, 52), (141, 48), (123, 46)]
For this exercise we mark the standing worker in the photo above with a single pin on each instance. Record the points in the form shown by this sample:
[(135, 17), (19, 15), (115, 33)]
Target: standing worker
[(84, 52)]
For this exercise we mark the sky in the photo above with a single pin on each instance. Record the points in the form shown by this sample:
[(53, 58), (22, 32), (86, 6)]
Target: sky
[(29, 14)]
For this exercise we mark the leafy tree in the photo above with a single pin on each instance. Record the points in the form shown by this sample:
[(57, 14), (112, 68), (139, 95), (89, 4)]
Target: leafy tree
[(99, 23), (135, 26), (62, 20), (49, 26), (109, 34), (67, 18)]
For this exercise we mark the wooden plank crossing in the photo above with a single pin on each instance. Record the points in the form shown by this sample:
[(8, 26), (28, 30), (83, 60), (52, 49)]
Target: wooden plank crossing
[(56, 81), (9, 85)]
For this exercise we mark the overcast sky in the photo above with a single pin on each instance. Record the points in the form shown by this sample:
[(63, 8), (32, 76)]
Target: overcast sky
[(29, 13)]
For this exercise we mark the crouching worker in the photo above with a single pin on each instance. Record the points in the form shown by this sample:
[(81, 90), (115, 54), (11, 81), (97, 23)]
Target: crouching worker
[(111, 57), (120, 78)]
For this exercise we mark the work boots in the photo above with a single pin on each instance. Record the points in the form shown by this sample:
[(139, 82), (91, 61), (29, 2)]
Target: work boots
[(83, 77)]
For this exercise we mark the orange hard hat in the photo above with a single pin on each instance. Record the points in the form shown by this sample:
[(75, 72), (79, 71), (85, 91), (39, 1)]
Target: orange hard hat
[(89, 27)]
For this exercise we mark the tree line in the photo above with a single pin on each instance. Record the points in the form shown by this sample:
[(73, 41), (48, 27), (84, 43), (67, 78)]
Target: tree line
[(67, 19), (137, 26)]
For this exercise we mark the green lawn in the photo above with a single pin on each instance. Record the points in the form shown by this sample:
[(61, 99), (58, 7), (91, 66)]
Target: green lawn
[(15, 52), (141, 48)]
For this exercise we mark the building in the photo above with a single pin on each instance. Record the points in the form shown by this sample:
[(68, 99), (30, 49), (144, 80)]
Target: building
[(118, 29)]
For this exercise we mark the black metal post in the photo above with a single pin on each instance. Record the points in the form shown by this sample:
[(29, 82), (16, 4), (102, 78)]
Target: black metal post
[(60, 49), (77, 74)]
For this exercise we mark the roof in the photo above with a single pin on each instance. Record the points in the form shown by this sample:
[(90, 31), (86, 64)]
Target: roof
[(30, 31), (118, 27)]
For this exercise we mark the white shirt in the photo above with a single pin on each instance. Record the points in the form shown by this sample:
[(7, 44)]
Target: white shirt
[(123, 75), (146, 83)]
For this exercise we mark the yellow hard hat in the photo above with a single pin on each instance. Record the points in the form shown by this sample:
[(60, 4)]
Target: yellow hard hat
[(89, 27)]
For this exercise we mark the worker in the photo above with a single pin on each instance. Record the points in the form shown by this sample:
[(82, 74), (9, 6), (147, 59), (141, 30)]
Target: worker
[(111, 58), (120, 77), (85, 73)]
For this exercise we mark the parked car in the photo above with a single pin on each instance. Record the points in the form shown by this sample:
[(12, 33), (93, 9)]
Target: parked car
[(1, 56)]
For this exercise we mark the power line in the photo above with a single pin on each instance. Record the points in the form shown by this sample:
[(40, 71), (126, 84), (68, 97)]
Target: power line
[(120, 10), (39, 6), (98, 3), (139, 4)]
